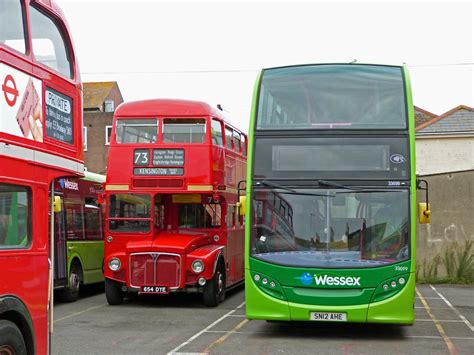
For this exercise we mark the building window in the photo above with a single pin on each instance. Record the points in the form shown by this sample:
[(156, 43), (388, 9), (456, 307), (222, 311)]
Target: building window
[(108, 134), (84, 138)]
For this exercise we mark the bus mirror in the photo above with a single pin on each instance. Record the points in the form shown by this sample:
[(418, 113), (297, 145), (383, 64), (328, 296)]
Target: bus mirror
[(241, 205), (57, 204), (424, 213), (100, 199)]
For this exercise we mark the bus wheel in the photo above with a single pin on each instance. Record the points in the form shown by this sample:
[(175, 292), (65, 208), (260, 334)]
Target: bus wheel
[(113, 292), (71, 292), (214, 290), (11, 339)]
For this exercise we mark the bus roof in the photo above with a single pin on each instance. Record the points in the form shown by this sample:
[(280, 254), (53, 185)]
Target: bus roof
[(335, 63), (89, 176), (166, 107)]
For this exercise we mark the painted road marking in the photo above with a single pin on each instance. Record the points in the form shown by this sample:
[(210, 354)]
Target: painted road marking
[(225, 336), (80, 312), (449, 343), (190, 340), (441, 320), (469, 325)]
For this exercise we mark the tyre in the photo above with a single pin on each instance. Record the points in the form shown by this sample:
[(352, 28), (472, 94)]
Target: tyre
[(71, 292), (11, 339), (214, 290), (113, 292)]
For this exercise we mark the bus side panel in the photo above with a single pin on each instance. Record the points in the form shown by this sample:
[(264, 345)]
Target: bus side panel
[(258, 305), (91, 255), (397, 309)]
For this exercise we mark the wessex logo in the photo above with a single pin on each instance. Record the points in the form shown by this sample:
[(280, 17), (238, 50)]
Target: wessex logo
[(323, 280)]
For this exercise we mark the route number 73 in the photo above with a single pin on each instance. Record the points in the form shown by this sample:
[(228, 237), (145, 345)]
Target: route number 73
[(141, 157)]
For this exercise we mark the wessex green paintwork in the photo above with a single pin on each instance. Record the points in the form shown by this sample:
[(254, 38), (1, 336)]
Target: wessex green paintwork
[(368, 302), (90, 255)]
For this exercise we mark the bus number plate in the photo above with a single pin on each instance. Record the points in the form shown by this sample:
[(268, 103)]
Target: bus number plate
[(154, 289), (328, 316)]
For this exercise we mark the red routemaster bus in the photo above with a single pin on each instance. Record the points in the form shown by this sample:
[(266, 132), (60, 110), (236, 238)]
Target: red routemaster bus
[(40, 140), (171, 189)]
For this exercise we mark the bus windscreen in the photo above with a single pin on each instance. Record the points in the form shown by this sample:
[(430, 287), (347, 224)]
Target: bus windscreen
[(344, 96)]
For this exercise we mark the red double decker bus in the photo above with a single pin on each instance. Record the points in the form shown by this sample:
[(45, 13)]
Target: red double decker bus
[(171, 189), (40, 140)]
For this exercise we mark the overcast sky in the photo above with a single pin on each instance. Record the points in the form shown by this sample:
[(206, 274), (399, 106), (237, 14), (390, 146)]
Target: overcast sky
[(212, 51)]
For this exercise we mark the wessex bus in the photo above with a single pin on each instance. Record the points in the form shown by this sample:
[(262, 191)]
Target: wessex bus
[(40, 140), (79, 241), (335, 145), (171, 194)]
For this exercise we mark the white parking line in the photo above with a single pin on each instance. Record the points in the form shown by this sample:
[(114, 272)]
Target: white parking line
[(469, 325), (441, 320), (182, 345), (80, 312)]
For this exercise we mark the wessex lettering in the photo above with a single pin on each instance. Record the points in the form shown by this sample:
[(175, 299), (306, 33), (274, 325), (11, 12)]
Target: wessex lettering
[(336, 281)]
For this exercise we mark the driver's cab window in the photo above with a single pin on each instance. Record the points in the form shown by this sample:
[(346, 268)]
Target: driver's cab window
[(49, 43), (199, 215)]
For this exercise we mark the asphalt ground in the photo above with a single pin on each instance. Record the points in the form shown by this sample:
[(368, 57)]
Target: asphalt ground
[(181, 324)]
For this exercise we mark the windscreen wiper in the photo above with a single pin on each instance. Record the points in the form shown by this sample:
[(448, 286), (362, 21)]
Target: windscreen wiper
[(287, 190)]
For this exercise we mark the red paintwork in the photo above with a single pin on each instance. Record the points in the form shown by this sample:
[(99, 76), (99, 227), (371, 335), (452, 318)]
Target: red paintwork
[(24, 272), (205, 164)]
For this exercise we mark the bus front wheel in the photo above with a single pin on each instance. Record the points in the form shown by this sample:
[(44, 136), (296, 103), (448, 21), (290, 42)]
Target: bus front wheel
[(214, 290), (11, 339), (113, 292)]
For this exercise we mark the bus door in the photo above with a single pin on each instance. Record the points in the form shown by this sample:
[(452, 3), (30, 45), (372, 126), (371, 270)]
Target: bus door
[(60, 252)]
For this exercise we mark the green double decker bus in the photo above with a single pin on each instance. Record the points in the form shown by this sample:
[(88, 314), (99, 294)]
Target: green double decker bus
[(330, 195)]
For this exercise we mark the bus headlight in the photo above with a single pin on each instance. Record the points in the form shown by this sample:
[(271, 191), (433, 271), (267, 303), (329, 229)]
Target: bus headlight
[(197, 266), (115, 264)]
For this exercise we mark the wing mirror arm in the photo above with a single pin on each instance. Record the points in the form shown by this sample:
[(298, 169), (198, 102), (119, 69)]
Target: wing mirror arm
[(424, 211)]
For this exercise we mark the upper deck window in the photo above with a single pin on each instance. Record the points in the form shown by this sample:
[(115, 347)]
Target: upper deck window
[(49, 44), (332, 97), (228, 137), (216, 130), (244, 145), (178, 130), (137, 131), (236, 138), (12, 29)]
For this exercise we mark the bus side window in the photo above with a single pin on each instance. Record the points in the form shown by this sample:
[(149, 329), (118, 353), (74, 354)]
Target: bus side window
[(12, 15), (74, 220), (216, 130), (228, 137), (49, 47), (236, 141), (244, 145), (93, 228), (15, 216)]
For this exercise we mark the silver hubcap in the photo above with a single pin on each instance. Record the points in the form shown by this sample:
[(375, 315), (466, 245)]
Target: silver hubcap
[(220, 282), (74, 281)]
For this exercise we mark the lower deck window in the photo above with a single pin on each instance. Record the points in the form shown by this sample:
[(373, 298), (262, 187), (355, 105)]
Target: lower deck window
[(15, 216)]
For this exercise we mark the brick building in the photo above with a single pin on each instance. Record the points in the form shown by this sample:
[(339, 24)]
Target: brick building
[(100, 101)]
